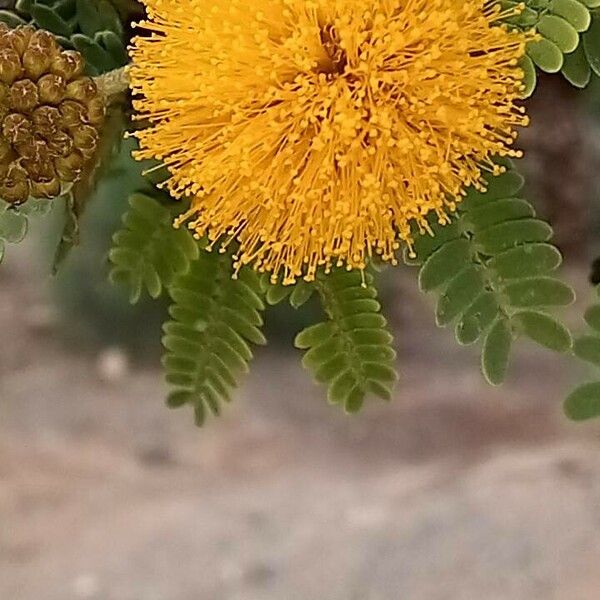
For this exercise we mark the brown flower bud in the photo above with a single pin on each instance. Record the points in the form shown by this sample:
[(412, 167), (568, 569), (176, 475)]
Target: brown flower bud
[(60, 144), (85, 138), (73, 114), (5, 150), (40, 168), (10, 65), (45, 189), (36, 63), (14, 186), (96, 111), (32, 148), (17, 128), (23, 96), (49, 115), (69, 167), (51, 89), (4, 92), (82, 89), (19, 38), (46, 120), (68, 64), (45, 42)]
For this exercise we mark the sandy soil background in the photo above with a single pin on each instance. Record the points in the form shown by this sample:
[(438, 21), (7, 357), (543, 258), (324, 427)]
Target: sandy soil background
[(456, 491)]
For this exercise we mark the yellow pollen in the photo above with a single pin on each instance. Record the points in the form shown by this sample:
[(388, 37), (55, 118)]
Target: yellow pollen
[(323, 132)]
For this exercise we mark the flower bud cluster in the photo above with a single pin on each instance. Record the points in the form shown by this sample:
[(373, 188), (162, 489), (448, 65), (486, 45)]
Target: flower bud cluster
[(50, 115)]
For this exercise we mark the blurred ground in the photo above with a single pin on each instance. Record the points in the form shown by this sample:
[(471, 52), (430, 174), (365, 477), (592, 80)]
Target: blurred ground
[(454, 492)]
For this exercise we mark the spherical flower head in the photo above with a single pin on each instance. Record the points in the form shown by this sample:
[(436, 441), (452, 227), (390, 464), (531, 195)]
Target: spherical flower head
[(323, 132)]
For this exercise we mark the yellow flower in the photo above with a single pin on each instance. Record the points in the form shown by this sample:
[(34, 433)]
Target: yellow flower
[(315, 132)]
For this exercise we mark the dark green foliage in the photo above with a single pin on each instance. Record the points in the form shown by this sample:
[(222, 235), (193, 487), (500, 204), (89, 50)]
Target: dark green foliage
[(93, 27), (491, 268), (584, 402), (351, 351), (542, 329), (148, 252), (496, 351), (214, 321), (591, 43), (570, 39)]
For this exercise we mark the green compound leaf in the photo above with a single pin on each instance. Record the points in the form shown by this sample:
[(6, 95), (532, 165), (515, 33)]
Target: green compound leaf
[(351, 351), (477, 318), (574, 12), (529, 77), (498, 212), (538, 291), (527, 260), (490, 263), (49, 19), (496, 352), (461, 292), (592, 317), (546, 55), (214, 321), (587, 347), (566, 29), (11, 19), (543, 329), (444, 264), (302, 293), (512, 233), (577, 69), (591, 44), (148, 253), (584, 402), (559, 31)]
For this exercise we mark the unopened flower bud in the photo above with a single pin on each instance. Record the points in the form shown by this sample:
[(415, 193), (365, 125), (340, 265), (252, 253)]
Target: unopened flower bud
[(51, 89), (46, 120), (40, 168), (10, 65), (45, 189), (69, 167), (82, 89), (68, 64), (19, 38), (17, 128), (60, 144), (45, 42), (14, 186), (85, 138), (96, 111), (5, 150), (36, 63), (73, 113), (23, 96), (4, 91), (32, 148)]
